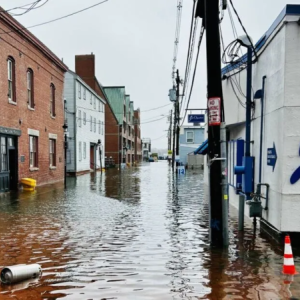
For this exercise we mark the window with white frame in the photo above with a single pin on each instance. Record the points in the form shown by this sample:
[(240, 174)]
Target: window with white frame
[(94, 102), (52, 152), (99, 127), (91, 98), (30, 94), (80, 151), (79, 90), (190, 137), (84, 150), (102, 128), (11, 79), (33, 151), (79, 118), (84, 118), (99, 106), (94, 124), (91, 123), (84, 93)]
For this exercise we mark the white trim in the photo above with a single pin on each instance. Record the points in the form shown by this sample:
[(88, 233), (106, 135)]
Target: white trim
[(187, 137), (12, 102), (33, 132), (52, 136)]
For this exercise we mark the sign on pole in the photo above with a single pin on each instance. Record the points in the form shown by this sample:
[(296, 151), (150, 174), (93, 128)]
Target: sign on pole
[(181, 170), (196, 118), (214, 111)]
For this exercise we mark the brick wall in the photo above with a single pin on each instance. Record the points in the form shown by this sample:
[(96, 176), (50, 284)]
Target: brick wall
[(27, 55)]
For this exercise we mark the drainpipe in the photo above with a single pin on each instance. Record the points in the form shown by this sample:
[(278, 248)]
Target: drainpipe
[(261, 127)]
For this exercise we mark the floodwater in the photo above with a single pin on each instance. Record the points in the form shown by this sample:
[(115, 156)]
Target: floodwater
[(136, 234)]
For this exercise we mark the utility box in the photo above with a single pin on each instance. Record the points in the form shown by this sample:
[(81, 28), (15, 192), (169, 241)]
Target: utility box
[(255, 209)]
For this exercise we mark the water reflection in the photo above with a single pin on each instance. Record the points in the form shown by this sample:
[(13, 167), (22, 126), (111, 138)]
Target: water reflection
[(140, 233)]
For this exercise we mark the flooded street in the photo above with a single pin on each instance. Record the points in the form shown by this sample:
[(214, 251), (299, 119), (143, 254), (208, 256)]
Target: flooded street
[(134, 234)]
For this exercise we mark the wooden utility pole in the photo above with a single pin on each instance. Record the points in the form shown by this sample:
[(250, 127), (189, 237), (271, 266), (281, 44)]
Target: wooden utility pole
[(215, 98), (177, 112)]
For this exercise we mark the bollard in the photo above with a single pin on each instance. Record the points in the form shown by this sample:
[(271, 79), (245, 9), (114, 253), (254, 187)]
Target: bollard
[(242, 199), (19, 273)]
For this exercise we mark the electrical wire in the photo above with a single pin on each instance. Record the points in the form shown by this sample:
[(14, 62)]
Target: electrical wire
[(60, 18), (195, 69), (177, 36), (244, 29)]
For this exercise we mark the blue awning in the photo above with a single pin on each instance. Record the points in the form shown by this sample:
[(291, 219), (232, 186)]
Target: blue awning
[(202, 149)]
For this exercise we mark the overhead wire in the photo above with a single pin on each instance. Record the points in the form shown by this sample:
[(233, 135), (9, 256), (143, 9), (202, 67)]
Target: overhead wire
[(195, 70), (57, 19)]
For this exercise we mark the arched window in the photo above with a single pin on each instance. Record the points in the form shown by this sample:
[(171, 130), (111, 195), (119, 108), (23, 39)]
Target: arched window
[(11, 77), (30, 90), (52, 100)]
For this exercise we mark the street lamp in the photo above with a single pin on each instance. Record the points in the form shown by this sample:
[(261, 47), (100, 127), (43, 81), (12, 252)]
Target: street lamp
[(100, 154), (65, 127)]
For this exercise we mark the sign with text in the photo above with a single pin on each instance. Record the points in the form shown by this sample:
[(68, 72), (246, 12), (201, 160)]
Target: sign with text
[(196, 118), (214, 111), (272, 156), (181, 170)]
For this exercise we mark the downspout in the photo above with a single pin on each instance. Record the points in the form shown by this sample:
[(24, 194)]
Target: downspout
[(261, 129)]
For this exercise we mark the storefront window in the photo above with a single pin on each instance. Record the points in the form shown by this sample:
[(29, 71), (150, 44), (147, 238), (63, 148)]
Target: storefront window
[(3, 153)]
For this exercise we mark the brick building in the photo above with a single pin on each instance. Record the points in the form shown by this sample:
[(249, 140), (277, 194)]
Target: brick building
[(137, 136), (85, 68), (32, 114)]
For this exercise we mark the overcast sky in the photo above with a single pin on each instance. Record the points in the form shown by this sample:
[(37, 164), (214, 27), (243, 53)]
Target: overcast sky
[(133, 41)]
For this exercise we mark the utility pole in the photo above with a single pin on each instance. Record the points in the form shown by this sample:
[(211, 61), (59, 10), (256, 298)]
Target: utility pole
[(215, 98), (174, 130), (177, 113), (170, 131)]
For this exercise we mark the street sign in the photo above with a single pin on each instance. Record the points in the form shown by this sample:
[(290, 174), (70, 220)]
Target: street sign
[(181, 170), (214, 111), (272, 157), (196, 118)]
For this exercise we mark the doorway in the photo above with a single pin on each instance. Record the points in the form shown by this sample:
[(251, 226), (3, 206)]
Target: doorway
[(92, 156), (12, 163)]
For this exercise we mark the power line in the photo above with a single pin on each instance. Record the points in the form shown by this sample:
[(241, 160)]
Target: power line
[(60, 18), (177, 36), (156, 108), (33, 6), (195, 70), (244, 29)]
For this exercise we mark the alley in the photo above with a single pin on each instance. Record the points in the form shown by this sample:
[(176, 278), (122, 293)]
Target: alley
[(133, 234)]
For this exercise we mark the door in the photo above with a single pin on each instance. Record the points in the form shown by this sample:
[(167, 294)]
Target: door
[(13, 173), (92, 157), (4, 171)]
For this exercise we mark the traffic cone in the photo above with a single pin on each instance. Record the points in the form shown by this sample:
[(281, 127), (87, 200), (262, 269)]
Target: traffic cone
[(288, 260)]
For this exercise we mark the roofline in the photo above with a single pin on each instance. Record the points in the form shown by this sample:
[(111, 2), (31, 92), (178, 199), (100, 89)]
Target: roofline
[(106, 99), (288, 10), (19, 29), (114, 87)]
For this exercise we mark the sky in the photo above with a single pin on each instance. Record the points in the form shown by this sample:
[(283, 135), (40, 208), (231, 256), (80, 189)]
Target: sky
[(133, 41)]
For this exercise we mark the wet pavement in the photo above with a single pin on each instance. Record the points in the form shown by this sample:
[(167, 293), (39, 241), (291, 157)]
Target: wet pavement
[(135, 234)]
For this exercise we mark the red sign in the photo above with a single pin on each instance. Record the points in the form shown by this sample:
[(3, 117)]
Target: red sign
[(214, 111)]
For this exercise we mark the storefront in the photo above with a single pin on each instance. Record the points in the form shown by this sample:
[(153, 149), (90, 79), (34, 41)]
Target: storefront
[(8, 159)]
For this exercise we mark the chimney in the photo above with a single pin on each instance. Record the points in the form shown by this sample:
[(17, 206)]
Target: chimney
[(85, 68)]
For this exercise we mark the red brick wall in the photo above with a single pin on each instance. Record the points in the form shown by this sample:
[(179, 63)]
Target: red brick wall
[(26, 55), (85, 68)]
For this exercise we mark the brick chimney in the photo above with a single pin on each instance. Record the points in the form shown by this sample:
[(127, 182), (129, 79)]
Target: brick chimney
[(85, 68)]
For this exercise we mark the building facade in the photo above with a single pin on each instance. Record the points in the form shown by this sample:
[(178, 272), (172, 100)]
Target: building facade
[(275, 122), (123, 108), (85, 68), (137, 136), (189, 140), (146, 148), (85, 112), (32, 109)]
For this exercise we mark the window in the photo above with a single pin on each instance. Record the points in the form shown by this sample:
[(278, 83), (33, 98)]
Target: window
[(91, 99), (99, 127), (94, 124), (79, 90), (84, 93), (91, 123), (52, 144), (33, 150), (52, 100), (94, 102), (30, 98), (79, 118), (11, 79), (3, 152), (84, 118), (84, 150), (99, 107), (102, 128), (80, 151), (190, 137)]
